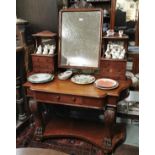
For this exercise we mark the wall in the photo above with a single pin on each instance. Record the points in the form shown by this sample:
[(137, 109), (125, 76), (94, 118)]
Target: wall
[(41, 14)]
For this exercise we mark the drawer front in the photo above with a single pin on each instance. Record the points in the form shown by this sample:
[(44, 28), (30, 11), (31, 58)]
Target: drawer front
[(70, 100), (43, 64), (113, 69)]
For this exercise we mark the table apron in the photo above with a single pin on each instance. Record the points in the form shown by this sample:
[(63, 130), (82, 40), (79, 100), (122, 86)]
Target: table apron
[(70, 100)]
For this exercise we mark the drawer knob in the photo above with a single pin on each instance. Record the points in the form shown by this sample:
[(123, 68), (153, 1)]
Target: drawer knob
[(74, 99), (58, 97)]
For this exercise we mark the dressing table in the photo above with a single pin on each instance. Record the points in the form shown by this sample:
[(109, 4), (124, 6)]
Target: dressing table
[(105, 135)]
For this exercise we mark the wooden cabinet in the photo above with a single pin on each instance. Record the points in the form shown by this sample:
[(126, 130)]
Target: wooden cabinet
[(114, 69), (44, 63)]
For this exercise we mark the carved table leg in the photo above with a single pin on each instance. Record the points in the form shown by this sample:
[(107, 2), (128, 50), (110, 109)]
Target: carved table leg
[(37, 118), (109, 120)]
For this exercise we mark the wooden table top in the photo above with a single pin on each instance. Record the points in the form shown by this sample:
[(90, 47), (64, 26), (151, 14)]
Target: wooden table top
[(116, 36), (69, 88), (37, 151)]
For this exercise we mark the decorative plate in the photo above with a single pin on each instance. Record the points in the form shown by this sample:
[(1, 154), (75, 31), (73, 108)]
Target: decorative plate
[(105, 83), (40, 78), (83, 79)]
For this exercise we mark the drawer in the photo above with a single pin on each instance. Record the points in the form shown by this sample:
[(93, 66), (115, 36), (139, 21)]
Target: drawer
[(48, 97), (114, 69), (70, 100)]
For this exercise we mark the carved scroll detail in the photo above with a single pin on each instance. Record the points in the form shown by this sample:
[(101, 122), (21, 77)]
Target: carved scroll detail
[(37, 118)]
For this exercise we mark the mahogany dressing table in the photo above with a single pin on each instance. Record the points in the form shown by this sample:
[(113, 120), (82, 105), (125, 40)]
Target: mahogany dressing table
[(103, 135)]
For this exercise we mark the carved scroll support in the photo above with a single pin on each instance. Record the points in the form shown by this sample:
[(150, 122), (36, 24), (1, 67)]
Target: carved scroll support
[(109, 120), (34, 107)]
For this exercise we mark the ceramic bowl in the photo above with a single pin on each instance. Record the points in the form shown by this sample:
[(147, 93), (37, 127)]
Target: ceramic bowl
[(65, 75)]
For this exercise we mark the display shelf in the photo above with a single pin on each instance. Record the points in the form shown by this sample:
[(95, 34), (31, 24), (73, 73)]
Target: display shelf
[(93, 132)]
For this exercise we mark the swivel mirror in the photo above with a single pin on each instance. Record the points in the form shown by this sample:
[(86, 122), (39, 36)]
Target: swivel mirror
[(80, 35)]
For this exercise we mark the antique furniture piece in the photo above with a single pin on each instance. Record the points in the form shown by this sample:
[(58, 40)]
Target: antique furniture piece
[(103, 135), (44, 63), (20, 74), (20, 68), (80, 38), (37, 151)]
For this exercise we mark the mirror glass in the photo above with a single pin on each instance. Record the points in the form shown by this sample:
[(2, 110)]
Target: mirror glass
[(80, 38), (126, 16)]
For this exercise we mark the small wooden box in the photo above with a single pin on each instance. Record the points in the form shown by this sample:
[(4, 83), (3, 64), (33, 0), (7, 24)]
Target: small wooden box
[(115, 69), (44, 63)]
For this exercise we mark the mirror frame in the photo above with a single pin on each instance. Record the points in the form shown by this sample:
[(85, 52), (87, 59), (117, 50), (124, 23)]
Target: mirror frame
[(60, 34), (113, 18)]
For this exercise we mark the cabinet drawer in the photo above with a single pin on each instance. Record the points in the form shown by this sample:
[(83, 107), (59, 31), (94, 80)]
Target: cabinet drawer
[(69, 100)]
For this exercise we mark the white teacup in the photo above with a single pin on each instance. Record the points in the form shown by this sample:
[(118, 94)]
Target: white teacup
[(120, 32)]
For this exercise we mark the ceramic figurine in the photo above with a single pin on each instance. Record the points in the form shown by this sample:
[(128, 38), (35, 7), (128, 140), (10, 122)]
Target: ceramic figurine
[(45, 50), (121, 56), (39, 50), (107, 55), (52, 49), (123, 51), (120, 32), (110, 32)]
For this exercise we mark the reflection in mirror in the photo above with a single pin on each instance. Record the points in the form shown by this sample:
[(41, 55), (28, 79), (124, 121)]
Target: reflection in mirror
[(80, 38), (126, 16)]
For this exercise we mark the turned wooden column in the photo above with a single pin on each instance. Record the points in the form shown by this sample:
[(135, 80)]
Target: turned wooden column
[(20, 100)]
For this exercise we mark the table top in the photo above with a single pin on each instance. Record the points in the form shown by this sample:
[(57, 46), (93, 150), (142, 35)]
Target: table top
[(116, 36), (70, 88), (37, 151)]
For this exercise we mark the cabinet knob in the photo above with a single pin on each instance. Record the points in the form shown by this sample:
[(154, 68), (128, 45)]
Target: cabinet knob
[(57, 97), (74, 99)]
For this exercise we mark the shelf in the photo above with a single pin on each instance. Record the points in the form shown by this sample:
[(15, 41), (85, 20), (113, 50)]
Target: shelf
[(42, 55), (45, 34), (89, 131), (116, 37), (103, 58), (99, 1)]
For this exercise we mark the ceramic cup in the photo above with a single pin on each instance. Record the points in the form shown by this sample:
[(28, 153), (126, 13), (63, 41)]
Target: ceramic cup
[(120, 32)]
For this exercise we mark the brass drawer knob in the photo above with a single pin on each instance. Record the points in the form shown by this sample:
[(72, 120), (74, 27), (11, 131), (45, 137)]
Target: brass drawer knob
[(57, 97), (73, 99)]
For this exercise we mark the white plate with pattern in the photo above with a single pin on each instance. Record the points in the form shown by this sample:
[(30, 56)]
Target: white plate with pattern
[(83, 79)]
